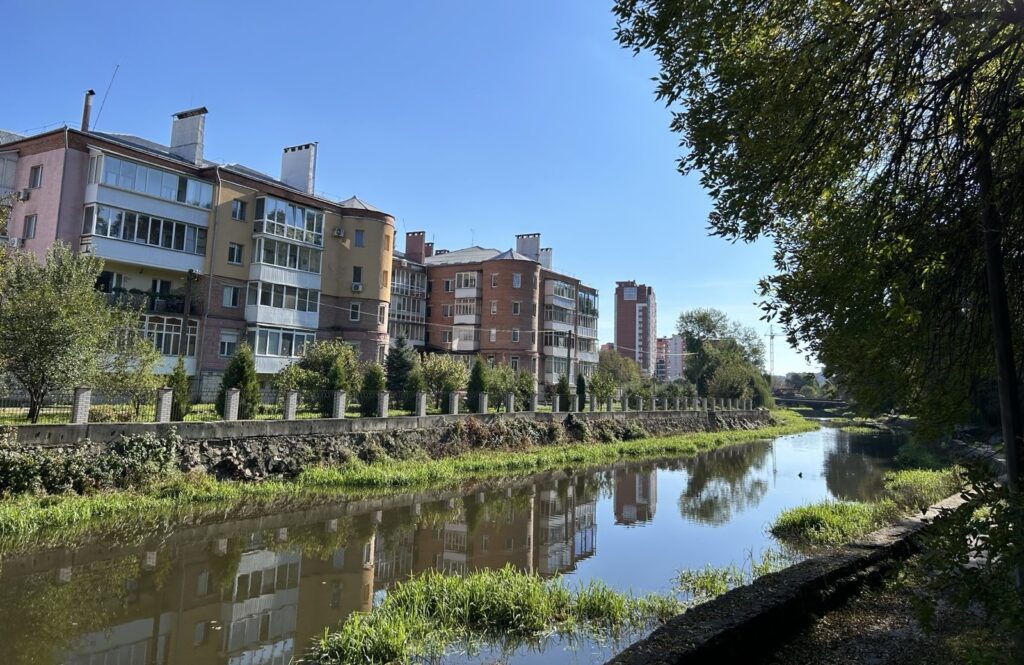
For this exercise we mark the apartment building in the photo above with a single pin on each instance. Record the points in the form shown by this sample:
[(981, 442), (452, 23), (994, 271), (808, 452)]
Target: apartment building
[(509, 306), (636, 324), (671, 356), (408, 313), (252, 257)]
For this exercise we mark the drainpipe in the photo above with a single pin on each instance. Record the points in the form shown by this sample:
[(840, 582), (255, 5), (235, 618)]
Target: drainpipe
[(211, 247)]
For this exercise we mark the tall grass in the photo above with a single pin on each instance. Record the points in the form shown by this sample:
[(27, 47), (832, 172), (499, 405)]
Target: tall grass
[(834, 523), (425, 615), (700, 585), (30, 521)]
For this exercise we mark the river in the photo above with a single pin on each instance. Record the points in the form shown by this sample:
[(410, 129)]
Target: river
[(256, 591)]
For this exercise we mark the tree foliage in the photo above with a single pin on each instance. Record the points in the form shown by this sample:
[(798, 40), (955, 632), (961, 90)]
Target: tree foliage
[(501, 381), (241, 373), (564, 393), (181, 398), (444, 374), (55, 328), (624, 371), (400, 363), (325, 366), (477, 384), (603, 385), (581, 391), (374, 381), (127, 369)]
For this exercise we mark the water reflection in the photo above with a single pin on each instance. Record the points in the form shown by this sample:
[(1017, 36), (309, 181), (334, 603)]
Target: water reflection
[(257, 591), (723, 483), (855, 464)]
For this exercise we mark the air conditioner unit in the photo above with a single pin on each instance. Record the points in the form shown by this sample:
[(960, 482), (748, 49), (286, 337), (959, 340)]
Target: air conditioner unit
[(23, 195), (339, 232), (357, 287)]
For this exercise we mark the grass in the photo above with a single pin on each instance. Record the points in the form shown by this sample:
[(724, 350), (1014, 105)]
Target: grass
[(427, 614), (700, 585), (835, 523), (32, 521)]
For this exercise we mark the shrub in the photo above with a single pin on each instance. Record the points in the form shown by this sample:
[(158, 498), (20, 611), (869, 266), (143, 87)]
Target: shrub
[(581, 391), (241, 373), (374, 381), (827, 523), (103, 413), (917, 489), (564, 393), (181, 400), (477, 384)]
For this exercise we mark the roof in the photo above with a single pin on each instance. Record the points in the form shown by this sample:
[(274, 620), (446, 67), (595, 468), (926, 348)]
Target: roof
[(474, 254), (8, 137), (148, 146), (359, 204)]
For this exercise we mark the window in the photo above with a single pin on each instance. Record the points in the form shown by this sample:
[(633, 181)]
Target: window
[(8, 169), (238, 210), (465, 280), (494, 280), (494, 307), (165, 332), (515, 334), (494, 335), (283, 297), (228, 343), (448, 284), (286, 255), (516, 307), (446, 311), (155, 182), (360, 238), (353, 312), (490, 361), (629, 293), (231, 296), (384, 279), (30, 227), (279, 341), (446, 336), (514, 362), (357, 274), (234, 253), (382, 314), (288, 220), (517, 280), (35, 177), (465, 306), (119, 224), (161, 286), (564, 290), (387, 243)]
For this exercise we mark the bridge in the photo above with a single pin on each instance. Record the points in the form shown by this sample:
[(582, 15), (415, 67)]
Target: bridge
[(816, 404)]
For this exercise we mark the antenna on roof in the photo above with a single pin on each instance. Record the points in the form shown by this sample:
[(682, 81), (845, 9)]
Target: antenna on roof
[(104, 100), (472, 237)]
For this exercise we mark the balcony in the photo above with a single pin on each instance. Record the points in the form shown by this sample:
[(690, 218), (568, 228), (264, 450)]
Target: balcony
[(589, 333), (279, 316), (272, 364), (264, 272), (559, 301), (467, 319), (154, 303), (407, 290), (587, 356), (147, 256), (465, 344), (468, 292), (407, 316), (558, 326)]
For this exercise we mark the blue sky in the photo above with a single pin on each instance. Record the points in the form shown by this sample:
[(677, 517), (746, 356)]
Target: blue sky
[(472, 121)]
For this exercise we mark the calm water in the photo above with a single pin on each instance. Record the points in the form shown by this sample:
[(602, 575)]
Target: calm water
[(256, 591)]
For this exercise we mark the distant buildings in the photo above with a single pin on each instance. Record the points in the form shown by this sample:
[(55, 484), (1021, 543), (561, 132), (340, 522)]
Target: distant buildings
[(636, 324), (670, 356)]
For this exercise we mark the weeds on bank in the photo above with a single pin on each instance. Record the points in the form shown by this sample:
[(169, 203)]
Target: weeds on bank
[(700, 585), (834, 523), (427, 614), (32, 520)]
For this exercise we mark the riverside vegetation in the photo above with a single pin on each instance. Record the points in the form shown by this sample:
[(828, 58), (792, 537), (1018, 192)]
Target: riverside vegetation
[(136, 487)]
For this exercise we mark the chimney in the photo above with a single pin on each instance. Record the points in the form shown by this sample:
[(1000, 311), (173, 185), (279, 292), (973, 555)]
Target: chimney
[(87, 109), (428, 250), (528, 244), (414, 246), (298, 167), (545, 257), (187, 130)]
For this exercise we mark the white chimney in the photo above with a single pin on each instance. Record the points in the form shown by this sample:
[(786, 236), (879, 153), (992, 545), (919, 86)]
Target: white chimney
[(187, 130), (545, 257), (528, 244), (298, 167)]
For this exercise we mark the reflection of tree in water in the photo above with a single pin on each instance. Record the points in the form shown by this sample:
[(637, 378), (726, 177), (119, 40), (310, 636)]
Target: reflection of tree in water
[(856, 463), (721, 483)]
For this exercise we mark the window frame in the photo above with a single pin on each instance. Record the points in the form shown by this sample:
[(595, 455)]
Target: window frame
[(238, 250), (35, 176), (234, 301), (28, 229), (355, 311), (238, 206)]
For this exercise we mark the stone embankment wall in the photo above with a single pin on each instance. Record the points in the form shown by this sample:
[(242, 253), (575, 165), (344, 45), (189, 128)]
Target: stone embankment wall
[(257, 449)]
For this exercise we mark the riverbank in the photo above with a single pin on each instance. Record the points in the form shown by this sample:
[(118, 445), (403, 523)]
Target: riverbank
[(163, 500)]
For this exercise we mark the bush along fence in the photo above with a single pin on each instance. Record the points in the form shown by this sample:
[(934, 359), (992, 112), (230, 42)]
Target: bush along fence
[(84, 405)]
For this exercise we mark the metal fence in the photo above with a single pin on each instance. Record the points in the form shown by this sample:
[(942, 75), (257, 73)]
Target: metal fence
[(16, 408)]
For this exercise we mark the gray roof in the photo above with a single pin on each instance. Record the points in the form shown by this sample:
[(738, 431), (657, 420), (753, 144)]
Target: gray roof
[(148, 146), (8, 137), (474, 254), (359, 204)]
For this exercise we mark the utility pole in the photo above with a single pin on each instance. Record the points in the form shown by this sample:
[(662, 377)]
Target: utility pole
[(183, 339), (771, 355)]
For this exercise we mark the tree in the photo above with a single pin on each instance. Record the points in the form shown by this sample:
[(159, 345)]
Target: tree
[(241, 373), (325, 366), (624, 371), (400, 363), (374, 381), (711, 337), (477, 384), (564, 393), (526, 387), (581, 391), (501, 381), (879, 146), (181, 399), (444, 374), (54, 326), (602, 385), (127, 371)]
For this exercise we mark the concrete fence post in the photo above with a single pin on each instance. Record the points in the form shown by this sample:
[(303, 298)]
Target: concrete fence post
[(625, 401), (510, 403), (609, 403), (593, 402), (80, 405), (678, 405), (555, 403), (291, 404), (639, 403), (383, 398), (338, 409), (574, 403), (231, 398), (164, 397), (533, 402), (686, 404), (453, 403), (421, 404), (482, 403)]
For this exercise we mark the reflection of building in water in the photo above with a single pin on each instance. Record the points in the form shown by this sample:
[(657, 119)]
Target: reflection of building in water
[(565, 528), (261, 608), (131, 643), (636, 496)]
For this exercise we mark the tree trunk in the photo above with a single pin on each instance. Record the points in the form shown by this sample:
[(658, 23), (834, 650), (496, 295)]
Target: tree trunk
[(1002, 335), (35, 406)]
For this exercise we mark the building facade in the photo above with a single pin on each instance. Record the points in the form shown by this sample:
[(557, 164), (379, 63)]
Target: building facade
[(251, 257), (671, 358), (636, 324), (510, 307)]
